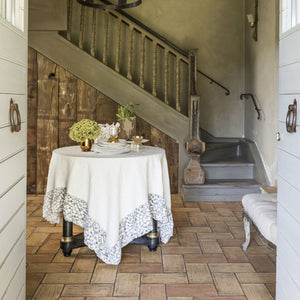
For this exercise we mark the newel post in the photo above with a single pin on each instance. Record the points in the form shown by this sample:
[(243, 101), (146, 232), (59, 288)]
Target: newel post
[(193, 173)]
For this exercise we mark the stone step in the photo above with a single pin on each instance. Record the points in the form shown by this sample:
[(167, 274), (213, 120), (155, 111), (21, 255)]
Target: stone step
[(232, 169), (219, 190)]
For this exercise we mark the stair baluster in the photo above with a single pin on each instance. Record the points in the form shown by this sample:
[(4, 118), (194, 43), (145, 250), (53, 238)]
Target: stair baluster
[(93, 39)]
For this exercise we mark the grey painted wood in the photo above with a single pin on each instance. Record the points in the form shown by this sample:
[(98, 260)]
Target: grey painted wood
[(288, 215)]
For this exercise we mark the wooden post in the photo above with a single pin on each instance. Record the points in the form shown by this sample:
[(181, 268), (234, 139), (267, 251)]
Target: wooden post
[(70, 13), (178, 84), (93, 40), (82, 21), (193, 173), (105, 37), (130, 48), (142, 75), (154, 68), (118, 48), (166, 75)]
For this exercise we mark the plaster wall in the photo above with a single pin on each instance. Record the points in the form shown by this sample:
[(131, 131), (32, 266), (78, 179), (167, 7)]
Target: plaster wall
[(216, 28), (261, 79)]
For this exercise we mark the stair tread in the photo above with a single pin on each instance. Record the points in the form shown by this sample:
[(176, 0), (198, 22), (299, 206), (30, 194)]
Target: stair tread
[(226, 183), (213, 146), (227, 163)]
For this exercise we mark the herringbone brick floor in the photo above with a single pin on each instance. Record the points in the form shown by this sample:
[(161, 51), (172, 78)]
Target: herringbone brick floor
[(203, 261)]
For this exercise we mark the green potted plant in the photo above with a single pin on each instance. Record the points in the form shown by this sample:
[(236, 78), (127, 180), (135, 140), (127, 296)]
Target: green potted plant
[(127, 118), (84, 132)]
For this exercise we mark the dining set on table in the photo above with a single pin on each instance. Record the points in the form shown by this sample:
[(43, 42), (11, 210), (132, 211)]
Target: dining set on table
[(118, 192)]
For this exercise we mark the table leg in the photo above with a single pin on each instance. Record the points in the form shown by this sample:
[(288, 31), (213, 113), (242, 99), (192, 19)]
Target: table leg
[(153, 237), (68, 241), (67, 238)]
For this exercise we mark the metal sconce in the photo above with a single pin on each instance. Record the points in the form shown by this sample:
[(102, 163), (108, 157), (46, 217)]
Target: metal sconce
[(253, 21)]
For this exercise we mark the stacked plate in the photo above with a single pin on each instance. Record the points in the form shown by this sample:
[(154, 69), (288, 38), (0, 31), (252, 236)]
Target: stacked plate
[(106, 148)]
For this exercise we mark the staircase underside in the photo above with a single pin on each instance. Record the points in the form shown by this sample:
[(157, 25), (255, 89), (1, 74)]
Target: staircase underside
[(171, 122)]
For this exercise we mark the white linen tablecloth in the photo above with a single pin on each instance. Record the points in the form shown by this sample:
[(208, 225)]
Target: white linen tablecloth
[(114, 198)]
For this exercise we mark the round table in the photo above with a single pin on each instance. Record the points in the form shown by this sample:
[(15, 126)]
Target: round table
[(114, 198)]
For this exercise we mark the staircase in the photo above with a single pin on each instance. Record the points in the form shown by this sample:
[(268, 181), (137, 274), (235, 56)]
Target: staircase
[(127, 61), (232, 167)]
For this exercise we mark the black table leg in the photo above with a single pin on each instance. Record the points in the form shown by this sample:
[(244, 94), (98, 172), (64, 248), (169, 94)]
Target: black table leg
[(68, 241), (153, 237)]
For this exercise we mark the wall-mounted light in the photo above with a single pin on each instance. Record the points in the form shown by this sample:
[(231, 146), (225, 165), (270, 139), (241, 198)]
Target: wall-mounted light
[(253, 20)]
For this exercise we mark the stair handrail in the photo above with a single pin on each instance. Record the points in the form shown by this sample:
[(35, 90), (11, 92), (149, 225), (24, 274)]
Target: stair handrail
[(258, 110), (171, 45), (134, 25)]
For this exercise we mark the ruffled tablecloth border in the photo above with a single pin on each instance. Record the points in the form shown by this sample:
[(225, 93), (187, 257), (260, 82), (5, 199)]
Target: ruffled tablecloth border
[(134, 225)]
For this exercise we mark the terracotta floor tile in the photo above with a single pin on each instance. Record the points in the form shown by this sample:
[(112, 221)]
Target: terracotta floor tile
[(272, 288), (219, 227), (206, 207), (66, 278), (230, 243), (198, 221), (210, 246), (164, 278), (140, 268), (32, 282), (221, 219), (214, 236), (193, 229), (132, 249), (72, 298), (227, 284), (235, 254), (48, 267), (50, 246), (30, 258), (204, 258), (188, 239), (188, 271), (238, 232), (128, 258), (191, 204), (87, 290), (111, 298), (173, 263), (231, 268), (31, 249), (191, 290), (262, 263), (256, 277), (153, 291), (198, 273), (256, 292), (181, 250), (225, 212), (127, 284), (221, 298), (48, 291), (85, 264), (104, 273), (181, 298), (60, 258), (150, 257), (36, 239)]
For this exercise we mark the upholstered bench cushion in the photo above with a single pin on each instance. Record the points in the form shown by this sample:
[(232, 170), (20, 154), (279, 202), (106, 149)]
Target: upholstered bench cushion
[(262, 209)]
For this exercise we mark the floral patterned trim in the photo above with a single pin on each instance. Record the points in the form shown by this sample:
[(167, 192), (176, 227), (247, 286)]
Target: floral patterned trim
[(134, 225)]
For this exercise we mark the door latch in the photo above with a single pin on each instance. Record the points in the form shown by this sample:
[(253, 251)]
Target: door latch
[(291, 117)]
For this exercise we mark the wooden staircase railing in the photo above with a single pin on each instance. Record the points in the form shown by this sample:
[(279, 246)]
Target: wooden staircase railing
[(134, 51)]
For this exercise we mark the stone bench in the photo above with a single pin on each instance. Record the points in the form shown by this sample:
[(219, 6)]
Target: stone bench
[(261, 210)]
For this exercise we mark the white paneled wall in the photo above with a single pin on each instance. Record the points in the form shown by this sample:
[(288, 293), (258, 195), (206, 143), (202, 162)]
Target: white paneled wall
[(288, 247), (13, 85)]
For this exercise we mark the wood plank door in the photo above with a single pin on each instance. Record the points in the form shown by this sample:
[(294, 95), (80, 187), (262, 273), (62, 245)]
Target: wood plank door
[(13, 85), (288, 239)]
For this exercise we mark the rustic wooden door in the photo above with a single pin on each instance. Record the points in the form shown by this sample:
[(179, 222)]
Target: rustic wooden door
[(288, 248), (13, 85)]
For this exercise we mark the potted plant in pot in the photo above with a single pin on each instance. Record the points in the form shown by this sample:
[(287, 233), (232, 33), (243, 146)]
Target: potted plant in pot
[(85, 132), (127, 118)]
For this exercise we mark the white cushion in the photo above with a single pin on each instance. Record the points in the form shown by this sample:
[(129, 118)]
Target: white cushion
[(262, 209)]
